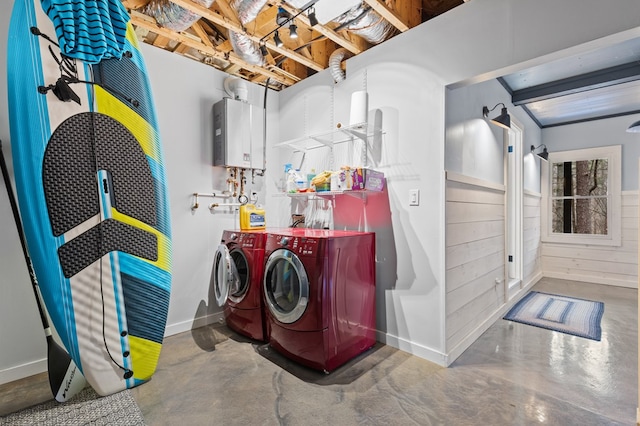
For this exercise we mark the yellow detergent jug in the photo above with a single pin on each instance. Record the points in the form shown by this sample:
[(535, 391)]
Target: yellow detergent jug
[(251, 217)]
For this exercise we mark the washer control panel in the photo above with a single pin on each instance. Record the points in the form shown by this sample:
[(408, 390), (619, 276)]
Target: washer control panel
[(299, 245)]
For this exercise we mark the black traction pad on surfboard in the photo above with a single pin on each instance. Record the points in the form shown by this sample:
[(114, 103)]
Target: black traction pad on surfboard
[(70, 172), (110, 235), (81, 146), (120, 76)]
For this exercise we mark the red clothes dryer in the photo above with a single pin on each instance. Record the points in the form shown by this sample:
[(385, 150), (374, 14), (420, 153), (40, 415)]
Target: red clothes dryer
[(319, 292), (237, 279)]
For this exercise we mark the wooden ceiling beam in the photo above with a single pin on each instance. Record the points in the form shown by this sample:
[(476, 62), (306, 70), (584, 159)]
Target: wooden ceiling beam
[(228, 12), (202, 34), (161, 41), (144, 22), (383, 10), (410, 11), (225, 22)]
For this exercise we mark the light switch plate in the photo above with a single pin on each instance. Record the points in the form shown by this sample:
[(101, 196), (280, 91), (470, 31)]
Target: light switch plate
[(414, 197)]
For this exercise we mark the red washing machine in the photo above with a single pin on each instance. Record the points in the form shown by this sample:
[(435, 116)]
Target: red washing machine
[(237, 278), (319, 292)]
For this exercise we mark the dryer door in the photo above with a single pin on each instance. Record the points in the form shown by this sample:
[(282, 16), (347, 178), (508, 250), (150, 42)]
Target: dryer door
[(286, 286), (225, 275)]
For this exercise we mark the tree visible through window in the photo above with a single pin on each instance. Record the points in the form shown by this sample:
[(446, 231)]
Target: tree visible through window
[(579, 197)]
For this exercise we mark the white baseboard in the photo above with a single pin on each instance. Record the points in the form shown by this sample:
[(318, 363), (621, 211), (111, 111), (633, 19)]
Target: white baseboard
[(181, 327), (592, 279), (413, 348), (21, 371)]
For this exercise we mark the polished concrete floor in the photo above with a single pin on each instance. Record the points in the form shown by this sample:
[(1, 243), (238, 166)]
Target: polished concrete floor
[(513, 375)]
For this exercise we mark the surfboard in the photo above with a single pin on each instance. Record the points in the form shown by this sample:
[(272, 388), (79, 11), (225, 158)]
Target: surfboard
[(91, 186)]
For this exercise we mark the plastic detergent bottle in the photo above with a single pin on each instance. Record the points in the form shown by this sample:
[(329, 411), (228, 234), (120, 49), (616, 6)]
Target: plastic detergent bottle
[(251, 217), (287, 168), (301, 182), (290, 185), (310, 177)]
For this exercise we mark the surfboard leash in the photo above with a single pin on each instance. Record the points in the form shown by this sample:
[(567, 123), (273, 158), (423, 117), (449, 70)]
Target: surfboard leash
[(128, 373)]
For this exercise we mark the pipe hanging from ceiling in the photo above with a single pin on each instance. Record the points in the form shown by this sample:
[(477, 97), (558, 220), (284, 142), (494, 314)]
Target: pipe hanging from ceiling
[(245, 48), (169, 15), (335, 60)]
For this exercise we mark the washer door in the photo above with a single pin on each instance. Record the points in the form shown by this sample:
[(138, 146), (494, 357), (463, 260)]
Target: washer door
[(286, 286), (240, 271), (225, 275)]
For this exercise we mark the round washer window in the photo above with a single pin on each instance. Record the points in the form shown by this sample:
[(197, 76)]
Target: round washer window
[(286, 286)]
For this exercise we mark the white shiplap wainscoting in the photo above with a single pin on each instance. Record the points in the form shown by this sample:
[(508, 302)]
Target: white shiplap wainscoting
[(532, 264), (475, 257), (475, 241), (609, 265)]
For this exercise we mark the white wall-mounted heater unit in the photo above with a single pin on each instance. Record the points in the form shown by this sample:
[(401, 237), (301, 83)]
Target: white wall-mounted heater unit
[(238, 134)]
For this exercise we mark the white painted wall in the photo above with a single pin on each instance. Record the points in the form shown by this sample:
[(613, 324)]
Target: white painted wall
[(406, 78), (409, 294), (474, 146), (591, 134)]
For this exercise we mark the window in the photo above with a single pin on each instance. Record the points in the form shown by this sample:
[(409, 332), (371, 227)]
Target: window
[(581, 196)]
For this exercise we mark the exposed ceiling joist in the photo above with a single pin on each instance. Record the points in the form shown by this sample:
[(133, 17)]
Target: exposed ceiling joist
[(143, 21), (581, 83), (227, 11), (227, 23), (202, 34), (207, 39), (388, 14)]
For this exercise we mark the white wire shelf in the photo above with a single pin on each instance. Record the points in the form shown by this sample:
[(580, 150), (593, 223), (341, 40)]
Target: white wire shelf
[(343, 134)]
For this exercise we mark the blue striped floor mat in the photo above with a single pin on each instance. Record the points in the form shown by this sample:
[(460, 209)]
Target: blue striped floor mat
[(568, 315)]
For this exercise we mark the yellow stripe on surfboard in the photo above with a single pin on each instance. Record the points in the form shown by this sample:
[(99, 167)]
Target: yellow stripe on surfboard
[(164, 244), (144, 133), (144, 357), (131, 36)]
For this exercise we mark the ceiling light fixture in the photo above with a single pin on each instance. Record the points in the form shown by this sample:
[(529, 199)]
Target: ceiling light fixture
[(544, 154), (634, 128), (313, 21), (503, 120), (283, 18), (293, 30), (277, 40), (263, 50)]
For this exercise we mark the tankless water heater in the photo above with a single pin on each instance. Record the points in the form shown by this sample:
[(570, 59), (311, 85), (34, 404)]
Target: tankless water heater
[(238, 134)]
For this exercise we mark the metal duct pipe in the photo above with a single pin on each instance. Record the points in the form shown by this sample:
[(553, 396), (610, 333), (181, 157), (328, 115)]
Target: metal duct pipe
[(169, 15), (244, 47), (248, 10), (335, 60), (367, 23)]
